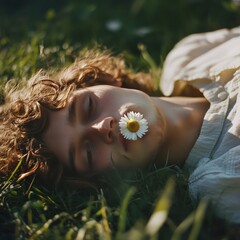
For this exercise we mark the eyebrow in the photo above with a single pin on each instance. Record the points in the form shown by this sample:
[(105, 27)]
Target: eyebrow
[(71, 119), (72, 110)]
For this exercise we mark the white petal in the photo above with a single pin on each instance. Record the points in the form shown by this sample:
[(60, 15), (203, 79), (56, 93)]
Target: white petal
[(139, 134), (134, 136)]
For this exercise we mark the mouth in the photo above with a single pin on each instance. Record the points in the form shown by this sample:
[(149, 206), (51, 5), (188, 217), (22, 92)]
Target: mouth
[(123, 142)]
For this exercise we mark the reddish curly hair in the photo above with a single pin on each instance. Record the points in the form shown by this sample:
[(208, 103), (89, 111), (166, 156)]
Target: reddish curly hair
[(23, 116)]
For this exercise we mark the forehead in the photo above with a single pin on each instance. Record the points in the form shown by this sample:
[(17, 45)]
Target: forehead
[(57, 133)]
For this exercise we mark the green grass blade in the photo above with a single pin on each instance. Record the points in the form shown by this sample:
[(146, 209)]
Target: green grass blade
[(199, 216), (105, 223), (123, 212), (162, 208), (15, 170), (182, 227), (154, 68)]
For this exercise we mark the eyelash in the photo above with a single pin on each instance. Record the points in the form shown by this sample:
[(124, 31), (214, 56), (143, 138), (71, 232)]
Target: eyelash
[(90, 103)]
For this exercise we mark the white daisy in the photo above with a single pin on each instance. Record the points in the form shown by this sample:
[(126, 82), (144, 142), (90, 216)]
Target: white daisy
[(133, 125)]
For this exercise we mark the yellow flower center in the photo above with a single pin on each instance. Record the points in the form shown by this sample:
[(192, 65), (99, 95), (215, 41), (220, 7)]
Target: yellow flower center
[(133, 125)]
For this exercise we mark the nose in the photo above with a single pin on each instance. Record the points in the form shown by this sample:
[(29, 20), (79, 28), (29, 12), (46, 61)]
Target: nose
[(105, 129)]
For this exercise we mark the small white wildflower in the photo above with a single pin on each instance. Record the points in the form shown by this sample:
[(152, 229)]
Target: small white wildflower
[(133, 125), (113, 25)]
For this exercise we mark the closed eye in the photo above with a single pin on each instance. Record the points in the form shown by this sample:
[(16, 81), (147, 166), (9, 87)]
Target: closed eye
[(90, 104), (72, 111), (71, 160)]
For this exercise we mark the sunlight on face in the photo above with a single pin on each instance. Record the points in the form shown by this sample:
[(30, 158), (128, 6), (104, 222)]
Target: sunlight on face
[(85, 135)]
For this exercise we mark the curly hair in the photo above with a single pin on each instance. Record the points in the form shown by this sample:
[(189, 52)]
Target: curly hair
[(23, 116)]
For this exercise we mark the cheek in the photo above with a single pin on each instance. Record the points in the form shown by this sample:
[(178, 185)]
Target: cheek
[(107, 103), (114, 102), (102, 157), (144, 150)]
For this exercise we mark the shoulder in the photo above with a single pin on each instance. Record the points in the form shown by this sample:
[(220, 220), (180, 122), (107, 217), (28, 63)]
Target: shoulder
[(201, 55)]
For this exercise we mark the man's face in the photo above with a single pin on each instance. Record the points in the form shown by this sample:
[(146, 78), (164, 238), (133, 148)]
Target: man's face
[(85, 136)]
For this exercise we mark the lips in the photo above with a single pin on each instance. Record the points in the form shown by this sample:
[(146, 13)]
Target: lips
[(123, 142)]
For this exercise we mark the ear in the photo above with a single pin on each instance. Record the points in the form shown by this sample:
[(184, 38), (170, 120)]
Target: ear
[(117, 83)]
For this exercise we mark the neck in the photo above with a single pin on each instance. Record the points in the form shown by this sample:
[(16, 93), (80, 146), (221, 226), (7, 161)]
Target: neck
[(184, 117)]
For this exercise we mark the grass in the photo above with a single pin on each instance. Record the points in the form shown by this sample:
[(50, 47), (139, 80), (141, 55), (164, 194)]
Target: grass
[(140, 205)]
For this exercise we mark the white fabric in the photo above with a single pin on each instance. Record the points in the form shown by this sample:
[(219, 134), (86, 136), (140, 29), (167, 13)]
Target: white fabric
[(211, 63)]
